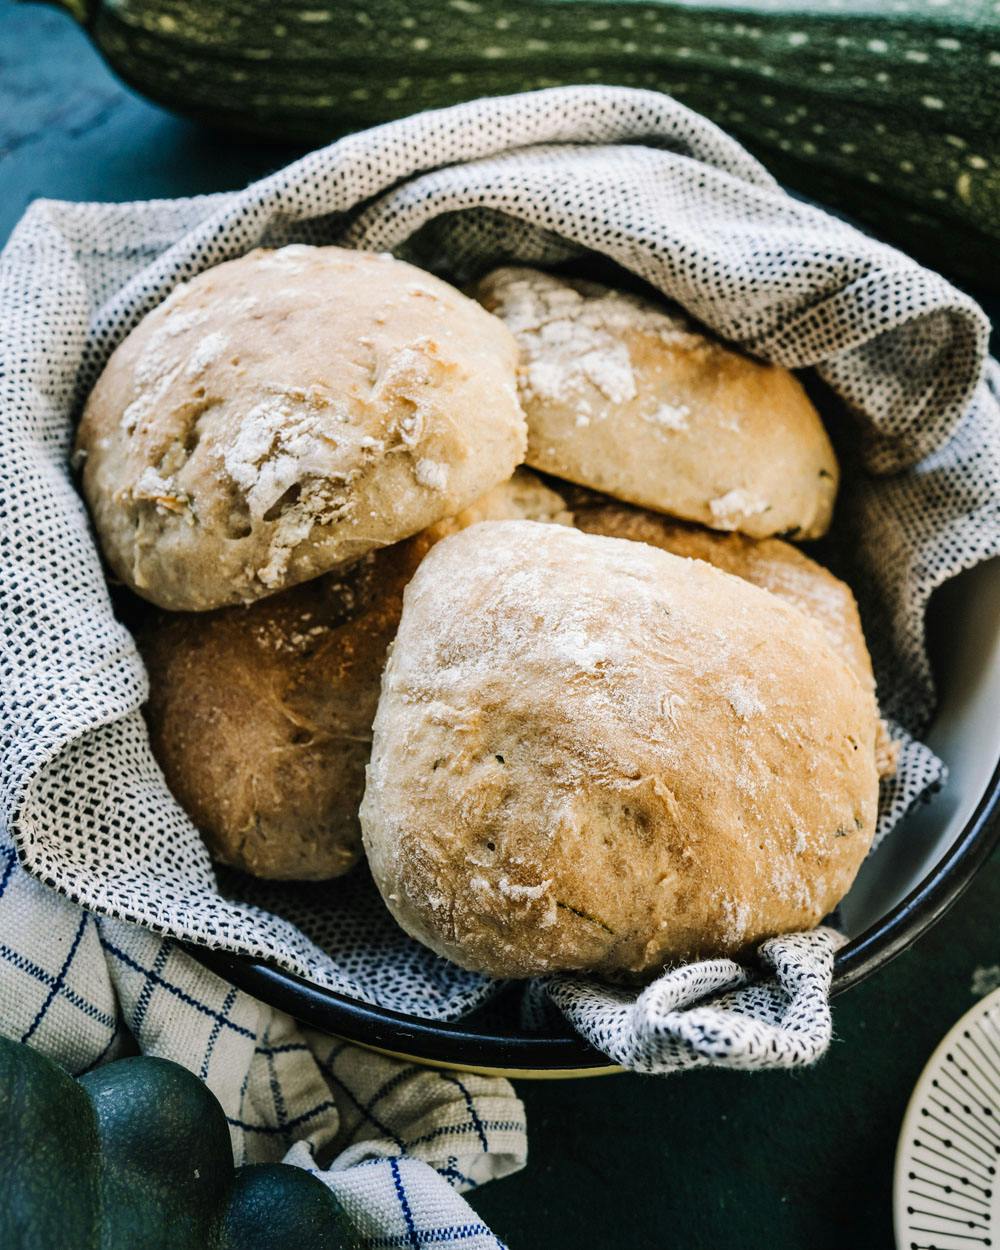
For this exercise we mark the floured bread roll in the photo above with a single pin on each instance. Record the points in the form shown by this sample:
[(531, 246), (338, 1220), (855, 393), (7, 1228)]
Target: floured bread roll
[(261, 717), (284, 413), (767, 562), (591, 754), (622, 396)]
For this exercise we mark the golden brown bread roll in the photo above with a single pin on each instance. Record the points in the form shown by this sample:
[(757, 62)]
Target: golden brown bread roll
[(624, 397), (767, 562), (592, 754), (260, 717), (284, 413)]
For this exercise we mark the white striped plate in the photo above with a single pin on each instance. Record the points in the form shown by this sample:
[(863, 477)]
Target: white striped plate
[(947, 1183)]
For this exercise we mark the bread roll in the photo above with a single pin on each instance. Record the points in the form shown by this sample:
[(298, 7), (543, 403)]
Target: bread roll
[(261, 717), (591, 754), (770, 564), (284, 413), (624, 397)]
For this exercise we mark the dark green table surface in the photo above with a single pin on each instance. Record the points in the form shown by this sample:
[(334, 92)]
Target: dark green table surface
[(703, 1161)]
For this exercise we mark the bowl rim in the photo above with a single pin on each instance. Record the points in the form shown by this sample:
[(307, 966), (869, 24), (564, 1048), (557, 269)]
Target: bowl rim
[(452, 1043)]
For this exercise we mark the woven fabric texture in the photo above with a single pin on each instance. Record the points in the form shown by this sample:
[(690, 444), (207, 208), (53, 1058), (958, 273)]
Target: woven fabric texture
[(630, 177), (398, 1144)]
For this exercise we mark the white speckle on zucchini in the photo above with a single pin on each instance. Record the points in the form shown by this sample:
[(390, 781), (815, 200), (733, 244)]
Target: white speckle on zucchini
[(811, 50), (963, 187)]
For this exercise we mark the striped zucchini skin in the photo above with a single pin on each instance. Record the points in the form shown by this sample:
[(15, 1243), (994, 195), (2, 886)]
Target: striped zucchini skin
[(889, 111)]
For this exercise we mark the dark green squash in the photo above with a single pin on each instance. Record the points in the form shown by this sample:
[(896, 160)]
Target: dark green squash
[(272, 1205), (889, 111), (137, 1156), (49, 1184), (165, 1153)]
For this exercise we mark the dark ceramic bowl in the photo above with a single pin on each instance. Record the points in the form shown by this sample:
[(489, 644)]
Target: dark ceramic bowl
[(902, 889)]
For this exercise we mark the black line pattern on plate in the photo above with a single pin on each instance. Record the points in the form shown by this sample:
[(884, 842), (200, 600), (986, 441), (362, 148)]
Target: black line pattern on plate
[(953, 1180)]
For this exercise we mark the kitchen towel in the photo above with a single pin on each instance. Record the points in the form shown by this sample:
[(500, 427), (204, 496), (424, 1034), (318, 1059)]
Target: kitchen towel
[(396, 1143), (630, 177)]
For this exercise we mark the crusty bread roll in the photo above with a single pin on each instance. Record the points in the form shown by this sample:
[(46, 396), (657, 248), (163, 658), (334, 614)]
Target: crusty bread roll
[(260, 717), (767, 562), (591, 754), (286, 412), (623, 397)]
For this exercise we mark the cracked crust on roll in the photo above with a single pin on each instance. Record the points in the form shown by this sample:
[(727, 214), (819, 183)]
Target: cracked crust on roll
[(284, 413), (624, 396)]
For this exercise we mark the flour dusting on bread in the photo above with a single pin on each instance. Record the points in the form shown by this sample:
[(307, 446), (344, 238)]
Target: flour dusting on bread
[(665, 758)]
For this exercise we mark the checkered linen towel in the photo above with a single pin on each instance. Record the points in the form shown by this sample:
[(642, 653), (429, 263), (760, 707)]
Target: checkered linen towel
[(395, 1142)]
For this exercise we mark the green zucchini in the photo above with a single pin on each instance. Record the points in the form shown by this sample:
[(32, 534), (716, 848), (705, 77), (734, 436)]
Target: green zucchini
[(136, 1155), (888, 109)]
